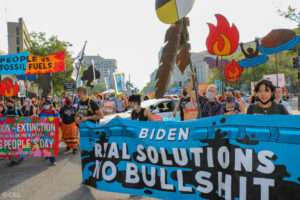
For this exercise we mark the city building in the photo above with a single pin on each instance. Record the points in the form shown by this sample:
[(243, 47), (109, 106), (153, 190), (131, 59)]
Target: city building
[(106, 67), (18, 36), (198, 63)]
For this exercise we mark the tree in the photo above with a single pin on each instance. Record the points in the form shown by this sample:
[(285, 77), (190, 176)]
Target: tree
[(291, 14), (42, 46)]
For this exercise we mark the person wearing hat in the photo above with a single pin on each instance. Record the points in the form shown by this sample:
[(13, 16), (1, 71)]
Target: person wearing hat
[(68, 125), (266, 105), (48, 111)]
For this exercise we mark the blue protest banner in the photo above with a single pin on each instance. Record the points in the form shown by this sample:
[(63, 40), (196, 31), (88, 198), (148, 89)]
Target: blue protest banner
[(13, 63), (226, 157)]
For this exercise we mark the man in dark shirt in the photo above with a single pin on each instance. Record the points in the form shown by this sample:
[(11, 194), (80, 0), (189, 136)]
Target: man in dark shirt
[(88, 110), (212, 107), (68, 125), (12, 110)]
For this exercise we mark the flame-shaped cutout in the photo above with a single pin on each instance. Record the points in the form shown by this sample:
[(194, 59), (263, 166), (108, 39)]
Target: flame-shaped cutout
[(233, 71), (8, 88), (223, 39)]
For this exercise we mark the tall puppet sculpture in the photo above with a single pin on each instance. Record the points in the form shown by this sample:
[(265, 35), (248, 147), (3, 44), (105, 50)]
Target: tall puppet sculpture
[(177, 48)]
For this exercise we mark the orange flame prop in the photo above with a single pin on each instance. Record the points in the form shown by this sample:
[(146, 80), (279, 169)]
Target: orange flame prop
[(8, 88), (233, 71), (223, 39)]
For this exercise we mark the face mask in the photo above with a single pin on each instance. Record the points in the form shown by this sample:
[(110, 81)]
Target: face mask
[(264, 103), (46, 107), (210, 96)]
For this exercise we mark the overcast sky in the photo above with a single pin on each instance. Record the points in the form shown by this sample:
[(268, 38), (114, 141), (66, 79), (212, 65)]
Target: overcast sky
[(129, 31)]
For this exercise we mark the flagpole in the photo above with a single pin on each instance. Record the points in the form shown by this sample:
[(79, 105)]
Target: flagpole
[(78, 69)]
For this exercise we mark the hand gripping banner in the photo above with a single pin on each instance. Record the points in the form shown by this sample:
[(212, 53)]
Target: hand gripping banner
[(228, 157)]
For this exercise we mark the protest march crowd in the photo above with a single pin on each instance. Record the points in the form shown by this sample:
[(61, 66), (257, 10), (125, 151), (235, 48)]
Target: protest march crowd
[(72, 110)]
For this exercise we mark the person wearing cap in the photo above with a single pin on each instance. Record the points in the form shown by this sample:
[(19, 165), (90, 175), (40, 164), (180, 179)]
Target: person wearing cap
[(266, 105), (88, 110), (47, 110), (68, 125)]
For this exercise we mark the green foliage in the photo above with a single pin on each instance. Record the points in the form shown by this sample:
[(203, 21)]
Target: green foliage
[(42, 46)]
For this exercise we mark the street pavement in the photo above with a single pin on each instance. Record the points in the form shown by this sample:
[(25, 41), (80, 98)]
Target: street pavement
[(35, 179)]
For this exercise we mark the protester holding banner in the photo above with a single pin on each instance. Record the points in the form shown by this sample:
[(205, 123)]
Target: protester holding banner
[(88, 110), (69, 127), (48, 111), (139, 113), (212, 107), (265, 93)]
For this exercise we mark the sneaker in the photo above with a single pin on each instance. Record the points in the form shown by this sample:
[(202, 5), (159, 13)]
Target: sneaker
[(74, 151), (53, 163), (67, 149), (12, 163)]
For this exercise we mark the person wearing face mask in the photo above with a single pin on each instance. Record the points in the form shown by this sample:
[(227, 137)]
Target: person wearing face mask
[(69, 127), (27, 108), (12, 110), (265, 93), (138, 113), (2, 110), (48, 111), (212, 107)]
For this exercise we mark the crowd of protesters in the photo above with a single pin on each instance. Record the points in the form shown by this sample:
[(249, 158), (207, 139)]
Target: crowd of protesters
[(266, 99)]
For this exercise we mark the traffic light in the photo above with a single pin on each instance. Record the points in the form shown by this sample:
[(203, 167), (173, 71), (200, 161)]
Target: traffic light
[(296, 62)]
